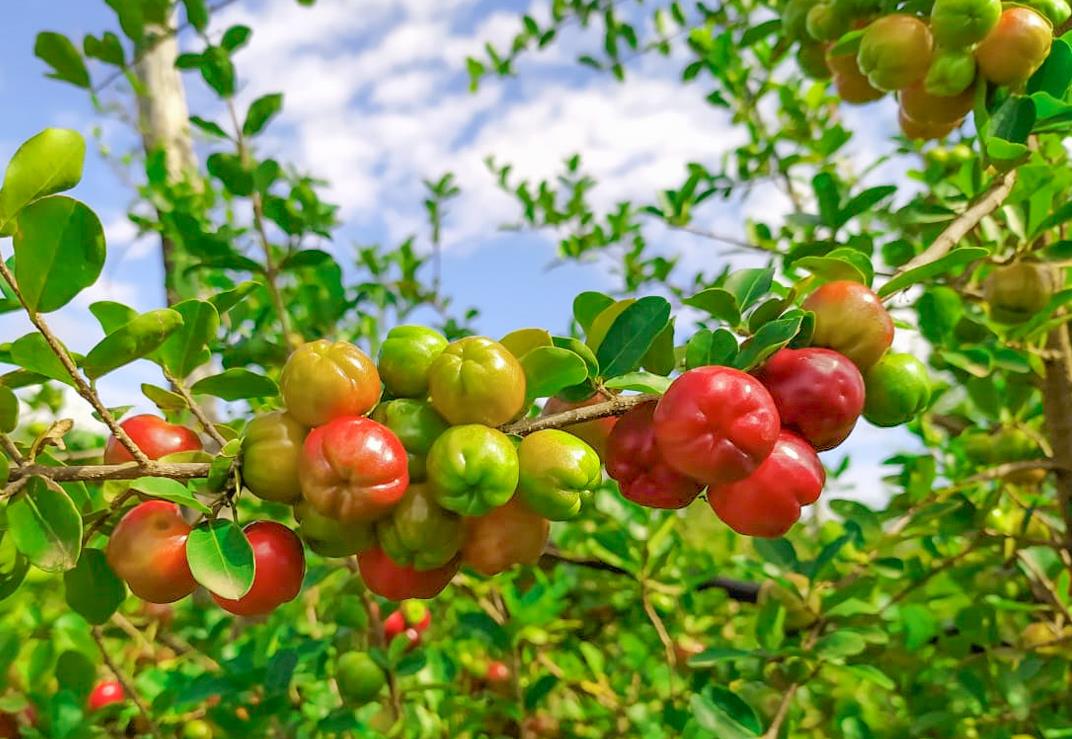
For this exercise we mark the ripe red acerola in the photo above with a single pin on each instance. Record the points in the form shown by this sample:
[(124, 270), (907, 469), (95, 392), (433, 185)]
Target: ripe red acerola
[(634, 460), (154, 436), (279, 569), (819, 393), (497, 672), (767, 502), (147, 550), (716, 424), (393, 581), (105, 693), (397, 623), (850, 318)]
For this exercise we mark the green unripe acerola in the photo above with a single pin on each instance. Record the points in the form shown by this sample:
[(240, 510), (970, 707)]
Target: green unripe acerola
[(558, 472), (417, 426), (405, 358), (472, 469)]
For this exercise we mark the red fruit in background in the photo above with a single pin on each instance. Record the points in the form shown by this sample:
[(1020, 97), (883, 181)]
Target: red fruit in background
[(634, 460), (9, 727), (497, 672), (154, 436), (393, 581), (353, 469), (767, 502), (147, 550), (394, 625), (397, 623), (924, 131), (280, 567), (105, 693), (510, 535), (1016, 48), (927, 110), (716, 424), (850, 318), (594, 433), (818, 392)]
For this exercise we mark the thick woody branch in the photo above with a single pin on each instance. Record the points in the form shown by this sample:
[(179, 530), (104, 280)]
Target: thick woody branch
[(1057, 408), (102, 472), (616, 407), (963, 224)]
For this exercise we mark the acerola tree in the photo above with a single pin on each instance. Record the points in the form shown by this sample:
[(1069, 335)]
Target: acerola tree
[(646, 576)]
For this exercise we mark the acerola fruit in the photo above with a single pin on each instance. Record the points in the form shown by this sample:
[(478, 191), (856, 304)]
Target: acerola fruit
[(716, 424), (850, 319), (898, 389), (1018, 291), (393, 581), (359, 678), (497, 672), (851, 84), (324, 380), (924, 131), (279, 567), (594, 433), (634, 460), (895, 51), (767, 503), (154, 436), (1016, 48), (951, 74), (922, 107), (353, 469), (510, 535), (825, 23), (472, 469), (405, 358), (105, 693), (197, 729), (419, 533), (818, 392), (477, 380), (417, 426), (330, 538), (1057, 12), (147, 550), (957, 24), (558, 472), (399, 623), (271, 453), (795, 18)]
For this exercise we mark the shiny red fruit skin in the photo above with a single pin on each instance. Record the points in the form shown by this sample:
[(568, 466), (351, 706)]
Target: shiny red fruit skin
[(497, 672), (767, 502), (105, 693), (716, 424), (819, 393), (395, 624), (154, 436), (393, 581), (353, 469), (147, 550), (634, 460), (850, 318), (280, 567)]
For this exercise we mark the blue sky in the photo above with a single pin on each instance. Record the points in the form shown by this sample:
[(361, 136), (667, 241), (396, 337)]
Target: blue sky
[(375, 100)]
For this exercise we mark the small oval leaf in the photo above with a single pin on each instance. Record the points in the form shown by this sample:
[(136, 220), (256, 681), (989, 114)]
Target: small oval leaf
[(221, 558), (46, 527), (92, 589)]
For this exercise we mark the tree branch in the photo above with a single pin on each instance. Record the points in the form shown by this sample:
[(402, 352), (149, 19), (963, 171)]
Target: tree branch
[(102, 472), (199, 413), (126, 682), (615, 407), (81, 385), (963, 224)]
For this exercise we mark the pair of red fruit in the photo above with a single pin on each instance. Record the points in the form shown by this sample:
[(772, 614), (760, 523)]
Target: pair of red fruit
[(751, 440), (147, 549)]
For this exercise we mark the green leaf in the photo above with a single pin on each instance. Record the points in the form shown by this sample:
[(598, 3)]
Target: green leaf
[(133, 341), (187, 348), (261, 112), (549, 369), (9, 410), (864, 202), (871, 674), (210, 127), (831, 268), (111, 315), (46, 527), (770, 338), (107, 48), (236, 384), (196, 13), (58, 52), (163, 399), (218, 71), (235, 37), (660, 358), (920, 625), (708, 347), (170, 490), (59, 251), (719, 303), (521, 342), (631, 335), (770, 625), (838, 644), (724, 715), (46, 164), (749, 285), (713, 655), (1055, 74), (93, 590), (33, 353), (228, 299), (587, 306), (641, 382), (828, 197), (1039, 319), (956, 258), (229, 169), (1013, 120), (13, 565), (779, 552), (221, 558)]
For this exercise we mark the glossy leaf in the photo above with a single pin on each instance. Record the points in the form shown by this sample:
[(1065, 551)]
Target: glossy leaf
[(221, 558), (46, 527), (46, 164), (956, 258), (187, 348), (710, 347), (170, 490), (33, 353), (132, 341), (587, 306), (9, 410), (13, 565), (93, 590), (261, 111), (549, 369), (236, 384), (57, 51), (631, 335)]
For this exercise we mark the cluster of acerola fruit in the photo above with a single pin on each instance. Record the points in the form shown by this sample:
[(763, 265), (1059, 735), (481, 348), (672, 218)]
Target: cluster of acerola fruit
[(933, 67), (752, 439)]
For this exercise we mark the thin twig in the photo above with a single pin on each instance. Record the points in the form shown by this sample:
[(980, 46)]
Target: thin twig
[(614, 407), (126, 471), (126, 682), (12, 450), (81, 385), (199, 413)]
